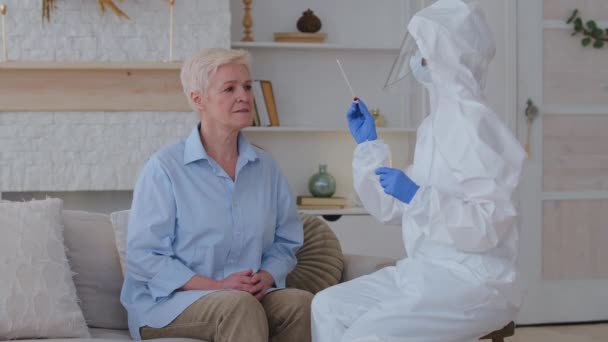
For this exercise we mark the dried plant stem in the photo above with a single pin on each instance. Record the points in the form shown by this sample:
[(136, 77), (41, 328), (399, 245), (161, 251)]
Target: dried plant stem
[(113, 7), (47, 7)]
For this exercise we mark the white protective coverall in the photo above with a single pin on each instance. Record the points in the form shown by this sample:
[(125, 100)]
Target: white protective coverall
[(459, 280)]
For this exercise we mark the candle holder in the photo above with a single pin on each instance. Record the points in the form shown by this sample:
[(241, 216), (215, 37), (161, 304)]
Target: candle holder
[(247, 21), (3, 13)]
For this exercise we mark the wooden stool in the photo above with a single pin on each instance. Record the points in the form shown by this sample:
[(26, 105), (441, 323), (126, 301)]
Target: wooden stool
[(499, 335)]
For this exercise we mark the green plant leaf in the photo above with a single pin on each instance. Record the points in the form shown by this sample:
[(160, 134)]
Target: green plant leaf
[(586, 41), (578, 25), (592, 33), (574, 13), (597, 33)]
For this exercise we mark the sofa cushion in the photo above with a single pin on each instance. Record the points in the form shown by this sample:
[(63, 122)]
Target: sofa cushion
[(320, 260), (110, 335), (91, 249), (120, 222), (37, 297)]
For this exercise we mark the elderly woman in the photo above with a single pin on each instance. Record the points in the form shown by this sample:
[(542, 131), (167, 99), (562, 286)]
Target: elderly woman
[(213, 227)]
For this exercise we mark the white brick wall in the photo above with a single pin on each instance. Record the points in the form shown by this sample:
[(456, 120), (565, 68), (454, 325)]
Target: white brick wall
[(97, 150)]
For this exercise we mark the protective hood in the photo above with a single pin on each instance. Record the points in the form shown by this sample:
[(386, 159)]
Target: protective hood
[(458, 44), (456, 41)]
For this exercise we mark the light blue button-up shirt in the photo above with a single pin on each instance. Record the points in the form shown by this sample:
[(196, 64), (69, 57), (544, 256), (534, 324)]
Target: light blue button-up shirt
[(189, 217)]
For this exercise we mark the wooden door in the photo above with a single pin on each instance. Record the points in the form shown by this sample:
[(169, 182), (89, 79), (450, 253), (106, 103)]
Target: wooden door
[(564, 190)]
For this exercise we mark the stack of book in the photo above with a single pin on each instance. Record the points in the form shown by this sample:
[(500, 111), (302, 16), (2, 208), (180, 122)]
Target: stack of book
[(307, 202), (265, 106)]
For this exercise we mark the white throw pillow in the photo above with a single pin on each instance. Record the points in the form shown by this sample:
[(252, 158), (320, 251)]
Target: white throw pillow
[(89, 238), (37, 293), (120, 222)]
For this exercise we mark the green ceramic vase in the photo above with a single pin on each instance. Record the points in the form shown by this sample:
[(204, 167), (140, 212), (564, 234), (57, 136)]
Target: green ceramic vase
[(322, 184)]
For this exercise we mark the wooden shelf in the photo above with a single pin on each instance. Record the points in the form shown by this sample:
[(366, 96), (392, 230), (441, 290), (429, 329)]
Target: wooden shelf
[(91, 87), (283, 129), (318, 46), (64, 65)]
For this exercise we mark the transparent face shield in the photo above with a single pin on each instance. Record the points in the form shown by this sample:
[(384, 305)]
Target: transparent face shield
[(401, 67)]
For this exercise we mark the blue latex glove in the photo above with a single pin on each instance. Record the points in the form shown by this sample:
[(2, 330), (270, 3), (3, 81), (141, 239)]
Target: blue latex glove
[(361, 122), (397, 184)]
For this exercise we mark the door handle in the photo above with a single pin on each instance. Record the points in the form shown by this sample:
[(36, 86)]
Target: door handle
[(531, 114)]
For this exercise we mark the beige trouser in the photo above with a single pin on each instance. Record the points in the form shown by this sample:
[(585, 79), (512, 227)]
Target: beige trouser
[(234, 316)]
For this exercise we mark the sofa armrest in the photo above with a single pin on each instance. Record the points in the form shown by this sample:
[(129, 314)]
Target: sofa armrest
[(358, 265)]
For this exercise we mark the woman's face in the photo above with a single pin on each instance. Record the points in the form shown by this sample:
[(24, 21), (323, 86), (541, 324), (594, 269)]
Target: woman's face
[(228, 101)]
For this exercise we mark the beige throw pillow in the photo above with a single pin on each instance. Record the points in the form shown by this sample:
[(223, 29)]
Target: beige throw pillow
[(37, 294), (89, 238)]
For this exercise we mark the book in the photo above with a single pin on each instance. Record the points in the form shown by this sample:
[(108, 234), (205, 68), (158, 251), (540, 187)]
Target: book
[(299, 37), (255, 120), (260, 104), (271, 105), (320, 207), (323, 201)]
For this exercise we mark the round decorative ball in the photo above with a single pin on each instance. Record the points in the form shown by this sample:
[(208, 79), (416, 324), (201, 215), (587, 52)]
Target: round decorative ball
[(309, 22)]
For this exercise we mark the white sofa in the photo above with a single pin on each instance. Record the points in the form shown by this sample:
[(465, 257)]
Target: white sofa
[(91, 251)]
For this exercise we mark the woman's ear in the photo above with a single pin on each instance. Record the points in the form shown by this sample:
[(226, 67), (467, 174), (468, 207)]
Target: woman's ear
[(197, 99)]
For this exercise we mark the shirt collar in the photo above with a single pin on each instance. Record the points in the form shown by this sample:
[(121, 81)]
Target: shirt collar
[(194, 149)]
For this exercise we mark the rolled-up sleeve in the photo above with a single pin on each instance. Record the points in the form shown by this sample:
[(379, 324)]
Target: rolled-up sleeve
[(280, 258), (150, 254)]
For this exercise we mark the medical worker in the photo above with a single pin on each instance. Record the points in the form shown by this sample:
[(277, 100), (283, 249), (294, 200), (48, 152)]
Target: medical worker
[(459, 280)]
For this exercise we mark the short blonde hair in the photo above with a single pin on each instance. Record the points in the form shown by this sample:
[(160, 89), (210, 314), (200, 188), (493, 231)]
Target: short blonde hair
[(200, 68)]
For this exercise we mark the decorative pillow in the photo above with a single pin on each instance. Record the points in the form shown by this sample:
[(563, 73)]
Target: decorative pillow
[(91, 251), (120, 222), (320, 259), (37, 293)]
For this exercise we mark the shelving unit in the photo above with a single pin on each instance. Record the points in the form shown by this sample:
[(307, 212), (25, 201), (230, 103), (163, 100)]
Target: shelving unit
[(312, 97)]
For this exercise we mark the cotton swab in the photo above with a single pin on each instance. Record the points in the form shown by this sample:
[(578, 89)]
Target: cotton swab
[(347, 82)]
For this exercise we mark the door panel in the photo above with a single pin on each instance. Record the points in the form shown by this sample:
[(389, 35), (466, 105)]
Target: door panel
[(563, 194)]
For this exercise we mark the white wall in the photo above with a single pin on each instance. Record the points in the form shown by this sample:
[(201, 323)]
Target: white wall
[(78, 31), (97, 151)]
